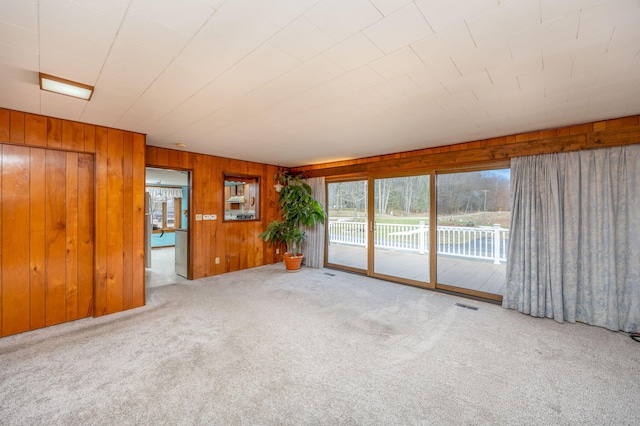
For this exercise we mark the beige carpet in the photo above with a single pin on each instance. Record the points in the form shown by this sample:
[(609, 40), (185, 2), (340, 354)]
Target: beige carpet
[(318, 347)]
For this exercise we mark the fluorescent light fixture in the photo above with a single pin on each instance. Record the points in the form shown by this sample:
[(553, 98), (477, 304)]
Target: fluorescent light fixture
[(65, 87)]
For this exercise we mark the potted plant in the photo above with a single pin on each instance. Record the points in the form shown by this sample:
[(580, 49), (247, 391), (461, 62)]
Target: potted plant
[(299, 209)]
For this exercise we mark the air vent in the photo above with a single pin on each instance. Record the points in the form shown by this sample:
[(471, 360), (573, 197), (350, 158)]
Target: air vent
[(462, 305)]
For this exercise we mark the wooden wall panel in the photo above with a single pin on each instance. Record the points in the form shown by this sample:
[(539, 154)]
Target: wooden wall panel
[(235, 243), (36, 130), (55, 305), (85, 235), (127, 224), (71, 237), (16, 134), (108, 239), (115, 222), (138, 291), (37, 238), (15, 245)]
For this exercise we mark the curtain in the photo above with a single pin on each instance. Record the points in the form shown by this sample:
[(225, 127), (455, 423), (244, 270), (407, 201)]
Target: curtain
[(161, 193), (314, 246), (574, 247)]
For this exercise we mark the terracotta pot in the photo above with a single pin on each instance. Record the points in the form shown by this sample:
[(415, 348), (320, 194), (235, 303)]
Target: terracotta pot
[(292, 263)]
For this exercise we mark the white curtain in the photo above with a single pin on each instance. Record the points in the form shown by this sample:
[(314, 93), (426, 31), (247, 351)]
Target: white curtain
[(314, 246), (161, 193), (574, 248)]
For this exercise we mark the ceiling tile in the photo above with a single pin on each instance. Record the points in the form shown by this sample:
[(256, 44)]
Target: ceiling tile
[(453, 41), (399, 29), (626, 38), (20, 13), (64, 65), (136, 55), (539, 79), (591, 45), (489, 55), (479, 80), (280, 12), (302, 39), (150, 34), (244, 27), (215, 53), (444, 14), (515, 67), (400, 62), (18, 38), (341, 19), (112, 8), (185, 17), (397, 86), (19, 58), (20, 89), (552, 9), (365, 98), (387, 7), (508, 18), (80, 20), (433, 74), (608, 14), (354, 52), (532, 40), (61, 106), (360, 78), (64, 41)]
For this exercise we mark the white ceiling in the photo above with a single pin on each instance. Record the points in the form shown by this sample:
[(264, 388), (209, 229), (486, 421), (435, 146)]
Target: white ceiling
[(296, 82)]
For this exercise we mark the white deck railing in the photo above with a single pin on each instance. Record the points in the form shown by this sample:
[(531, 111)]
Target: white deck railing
[(480, 243)]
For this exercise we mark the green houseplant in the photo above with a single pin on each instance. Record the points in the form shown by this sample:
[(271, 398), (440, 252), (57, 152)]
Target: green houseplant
[(299, 209)]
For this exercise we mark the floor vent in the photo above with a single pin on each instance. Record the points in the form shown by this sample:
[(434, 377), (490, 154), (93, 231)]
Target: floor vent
[(462, 305), (330, 274)]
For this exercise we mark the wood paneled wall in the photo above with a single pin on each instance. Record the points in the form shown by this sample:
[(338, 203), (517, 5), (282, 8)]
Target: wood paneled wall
[(620, 131), (46, 233), (235, 243), (119, 170)]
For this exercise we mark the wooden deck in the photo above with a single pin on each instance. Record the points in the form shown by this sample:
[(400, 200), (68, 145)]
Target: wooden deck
[(469, 274)]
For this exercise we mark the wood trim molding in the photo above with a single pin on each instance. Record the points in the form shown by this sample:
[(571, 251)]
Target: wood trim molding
[(614, 132)]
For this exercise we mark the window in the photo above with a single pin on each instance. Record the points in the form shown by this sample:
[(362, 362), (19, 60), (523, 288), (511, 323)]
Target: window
[(241, 197), (163, 201)]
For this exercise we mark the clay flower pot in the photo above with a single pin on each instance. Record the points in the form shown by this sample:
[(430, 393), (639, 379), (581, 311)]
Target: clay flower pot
[(292, 263)]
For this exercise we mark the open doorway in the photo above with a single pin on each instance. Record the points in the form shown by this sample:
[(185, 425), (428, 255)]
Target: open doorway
[(166, 226)]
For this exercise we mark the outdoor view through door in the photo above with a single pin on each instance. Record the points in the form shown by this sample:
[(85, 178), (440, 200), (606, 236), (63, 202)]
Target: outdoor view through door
[(387, 230), (347, 221), (401, 227), (473, 230)]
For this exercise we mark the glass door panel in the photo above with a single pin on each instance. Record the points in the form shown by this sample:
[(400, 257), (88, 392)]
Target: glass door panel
[(401, 227), (347, 223), (473, 230)]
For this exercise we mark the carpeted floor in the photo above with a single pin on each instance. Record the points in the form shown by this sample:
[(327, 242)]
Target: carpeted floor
[(262, 346)]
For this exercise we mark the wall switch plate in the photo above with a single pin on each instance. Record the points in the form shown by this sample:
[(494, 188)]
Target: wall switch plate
[(206, 217), (198, 217), (217, 260), (277, 251)]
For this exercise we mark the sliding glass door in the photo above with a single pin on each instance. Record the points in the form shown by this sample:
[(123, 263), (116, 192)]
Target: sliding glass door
[(441, 229), (473, 231), (401, 227), (347, 240)]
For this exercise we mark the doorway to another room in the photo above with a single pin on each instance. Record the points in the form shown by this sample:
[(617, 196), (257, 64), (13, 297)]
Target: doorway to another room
[(166, 226)]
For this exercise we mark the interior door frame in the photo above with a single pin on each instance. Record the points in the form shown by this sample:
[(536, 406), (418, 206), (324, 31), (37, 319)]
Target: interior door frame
[(190, 216)]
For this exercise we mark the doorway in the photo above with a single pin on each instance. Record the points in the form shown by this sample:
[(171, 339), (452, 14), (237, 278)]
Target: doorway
[(168, 196)]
